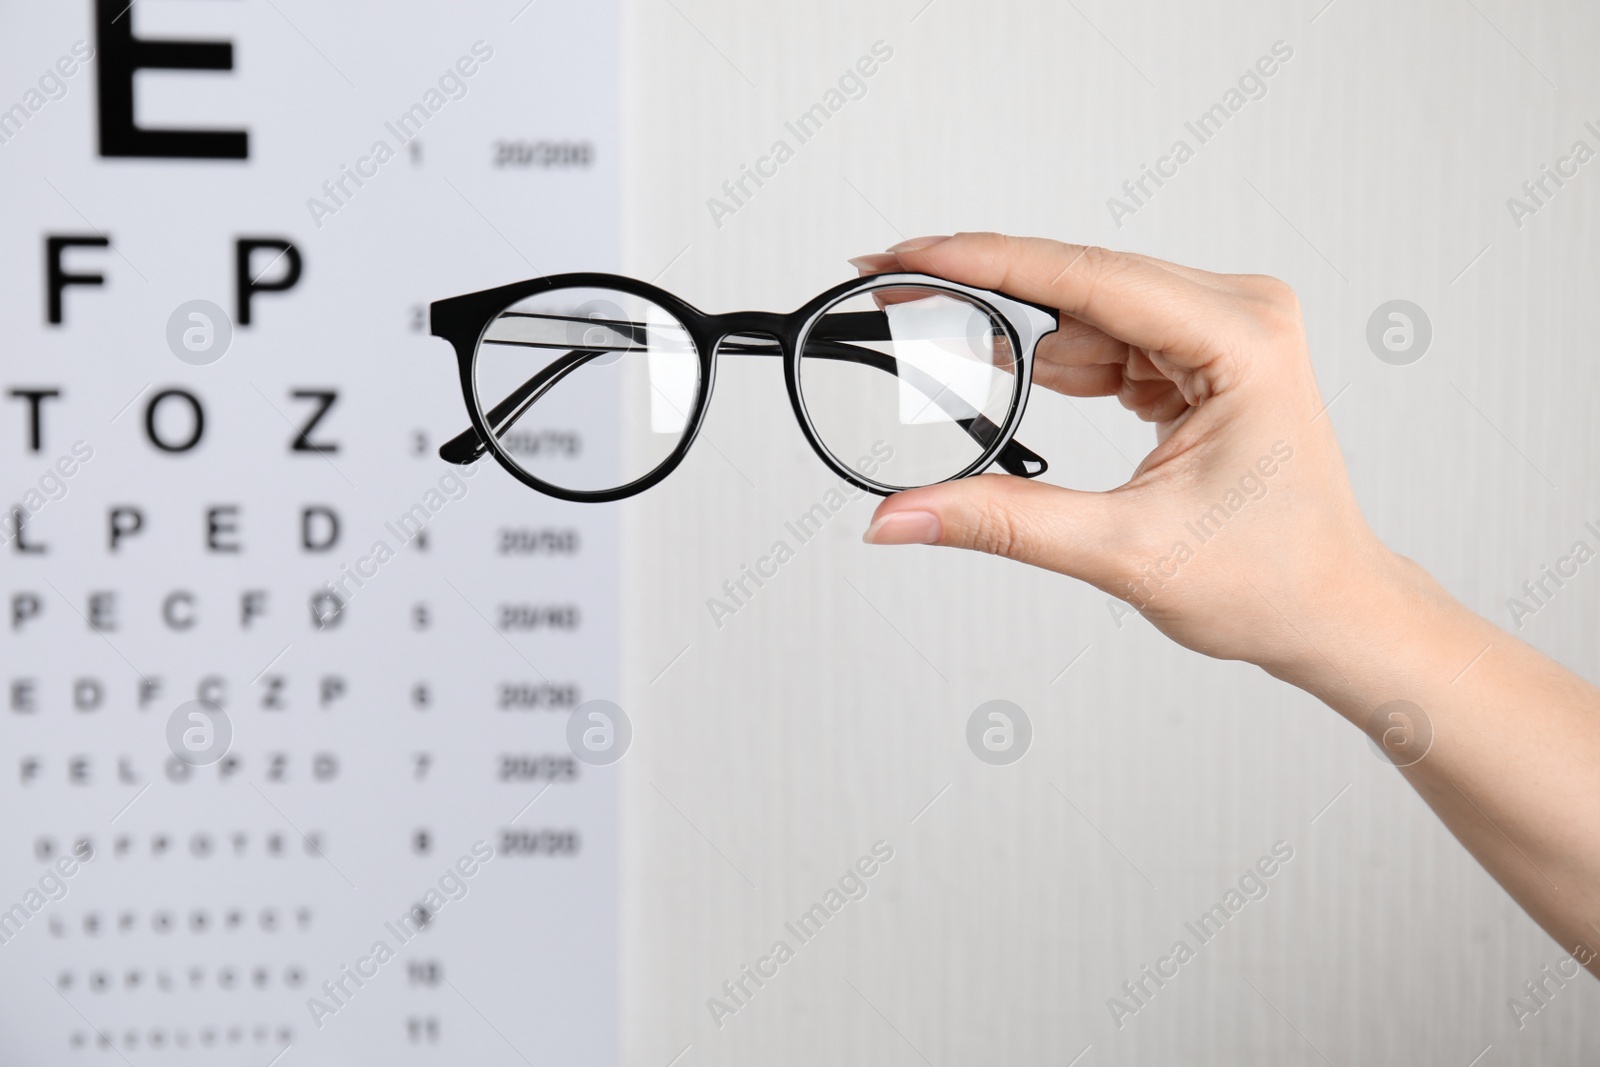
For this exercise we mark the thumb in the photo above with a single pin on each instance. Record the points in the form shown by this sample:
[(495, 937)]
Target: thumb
[(1073, 533)]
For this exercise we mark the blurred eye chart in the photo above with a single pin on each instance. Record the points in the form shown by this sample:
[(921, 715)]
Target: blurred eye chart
[(283, 744)]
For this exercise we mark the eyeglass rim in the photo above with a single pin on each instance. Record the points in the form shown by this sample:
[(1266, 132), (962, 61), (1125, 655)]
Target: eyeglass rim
[(464, 320), (1021, 343)]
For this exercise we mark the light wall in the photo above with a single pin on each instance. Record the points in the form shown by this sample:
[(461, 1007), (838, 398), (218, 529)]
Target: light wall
[(829, 711)]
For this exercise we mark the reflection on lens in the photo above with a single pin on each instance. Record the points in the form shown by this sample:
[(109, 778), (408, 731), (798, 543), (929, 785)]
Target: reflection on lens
[(587, 389), (907, 384)]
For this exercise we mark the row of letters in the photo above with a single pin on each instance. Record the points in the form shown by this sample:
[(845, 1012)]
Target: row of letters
[(175, 418)]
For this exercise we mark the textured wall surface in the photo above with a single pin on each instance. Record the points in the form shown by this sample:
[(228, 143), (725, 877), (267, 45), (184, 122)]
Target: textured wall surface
[(828, 712)]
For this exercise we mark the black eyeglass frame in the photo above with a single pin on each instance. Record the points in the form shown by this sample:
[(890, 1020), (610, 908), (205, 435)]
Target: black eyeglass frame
[(464, 320)]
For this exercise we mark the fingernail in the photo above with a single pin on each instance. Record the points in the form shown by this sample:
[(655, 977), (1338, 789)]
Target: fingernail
[(904, 528), (918, 244), (875, 263)]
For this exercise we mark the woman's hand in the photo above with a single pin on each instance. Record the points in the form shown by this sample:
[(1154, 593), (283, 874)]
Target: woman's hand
[(1240, 525), (1238, 536)]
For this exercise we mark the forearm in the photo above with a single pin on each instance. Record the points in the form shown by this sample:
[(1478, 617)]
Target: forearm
[(1513, 767)]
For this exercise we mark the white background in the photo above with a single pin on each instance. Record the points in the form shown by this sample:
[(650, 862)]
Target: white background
[(815, 721)]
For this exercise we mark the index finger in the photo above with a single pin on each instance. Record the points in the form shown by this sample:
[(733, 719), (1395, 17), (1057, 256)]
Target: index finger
[(1129, 297)]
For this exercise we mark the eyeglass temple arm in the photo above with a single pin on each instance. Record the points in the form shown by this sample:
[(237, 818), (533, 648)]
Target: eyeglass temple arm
[(838, 328), (467, 446), (1016, 458)]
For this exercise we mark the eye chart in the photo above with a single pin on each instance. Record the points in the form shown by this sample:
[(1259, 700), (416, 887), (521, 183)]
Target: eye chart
[(283, 729)]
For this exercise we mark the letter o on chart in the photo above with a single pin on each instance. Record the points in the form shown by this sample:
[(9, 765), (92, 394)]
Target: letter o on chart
[(197, 421)]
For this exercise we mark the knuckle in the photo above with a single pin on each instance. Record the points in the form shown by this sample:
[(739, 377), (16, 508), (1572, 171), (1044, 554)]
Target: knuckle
[(1276, 305), (1098, 261), (995, 530), (1265, 287), (1008, 253), (1094, 265), (1097, 257)]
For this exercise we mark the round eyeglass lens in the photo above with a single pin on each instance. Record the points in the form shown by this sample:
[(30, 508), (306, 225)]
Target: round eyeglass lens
[(906, 384), (587, 389)]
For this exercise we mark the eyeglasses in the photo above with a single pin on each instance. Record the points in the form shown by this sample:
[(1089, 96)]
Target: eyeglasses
[(592, 387)]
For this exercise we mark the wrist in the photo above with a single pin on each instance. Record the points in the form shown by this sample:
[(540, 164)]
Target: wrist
[(1380, 629)]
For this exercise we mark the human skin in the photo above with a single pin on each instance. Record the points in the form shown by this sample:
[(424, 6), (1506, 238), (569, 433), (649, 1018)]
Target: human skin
[(1296, 583)]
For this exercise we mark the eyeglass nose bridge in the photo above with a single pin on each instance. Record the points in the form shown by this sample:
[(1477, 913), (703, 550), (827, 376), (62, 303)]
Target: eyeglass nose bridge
[(750, 324)]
